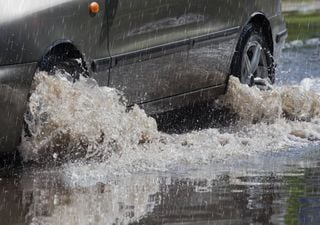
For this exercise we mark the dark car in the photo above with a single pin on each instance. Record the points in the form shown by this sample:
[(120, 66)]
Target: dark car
[(162, 54)]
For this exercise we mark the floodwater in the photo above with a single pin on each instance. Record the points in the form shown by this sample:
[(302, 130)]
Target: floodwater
[(115, 167)]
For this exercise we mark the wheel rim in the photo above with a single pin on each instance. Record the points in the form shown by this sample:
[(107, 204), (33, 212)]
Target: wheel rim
[(254, 68)]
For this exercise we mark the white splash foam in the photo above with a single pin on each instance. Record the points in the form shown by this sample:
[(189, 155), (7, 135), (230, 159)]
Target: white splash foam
[(309, 84), (87, 121), (253, 105), (81, 118), (313, 42)]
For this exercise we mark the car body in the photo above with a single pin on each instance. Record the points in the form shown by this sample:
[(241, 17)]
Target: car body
[(162, 54)]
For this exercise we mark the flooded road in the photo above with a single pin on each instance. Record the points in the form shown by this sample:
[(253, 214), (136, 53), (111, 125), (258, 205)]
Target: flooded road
[(277, 188), (124, 171)]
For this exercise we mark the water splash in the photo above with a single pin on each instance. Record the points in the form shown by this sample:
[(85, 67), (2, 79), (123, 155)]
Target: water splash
[(313, 42), (83, 121), (291, 102)]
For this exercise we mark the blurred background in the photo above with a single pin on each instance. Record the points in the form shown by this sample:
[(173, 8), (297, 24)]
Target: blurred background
[(303, 19)]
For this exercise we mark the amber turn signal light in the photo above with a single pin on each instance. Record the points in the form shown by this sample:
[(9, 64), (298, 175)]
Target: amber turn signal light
[(94, 7)]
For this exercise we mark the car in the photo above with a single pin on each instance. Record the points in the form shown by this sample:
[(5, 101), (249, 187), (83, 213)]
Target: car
[(162, 54)]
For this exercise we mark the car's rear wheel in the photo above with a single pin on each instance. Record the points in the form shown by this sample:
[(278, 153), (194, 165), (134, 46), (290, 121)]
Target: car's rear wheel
[(253, 62)]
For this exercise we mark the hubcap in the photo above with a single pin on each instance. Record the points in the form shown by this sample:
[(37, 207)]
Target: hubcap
[(254, 68)]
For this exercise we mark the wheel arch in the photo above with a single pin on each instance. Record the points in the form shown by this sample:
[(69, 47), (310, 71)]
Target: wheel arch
[(60, 50), (260, 20)]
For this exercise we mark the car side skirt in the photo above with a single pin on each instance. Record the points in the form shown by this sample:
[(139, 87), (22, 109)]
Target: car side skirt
[(179, 101)]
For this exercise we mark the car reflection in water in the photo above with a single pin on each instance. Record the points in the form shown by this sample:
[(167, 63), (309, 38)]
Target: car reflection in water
[(282, 195)]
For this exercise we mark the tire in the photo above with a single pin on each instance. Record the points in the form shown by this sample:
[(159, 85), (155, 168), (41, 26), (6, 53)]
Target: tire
[(73, 67), (253, 62)]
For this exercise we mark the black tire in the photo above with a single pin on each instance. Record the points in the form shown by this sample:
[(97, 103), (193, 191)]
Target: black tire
[(74, 67), (252, 39)]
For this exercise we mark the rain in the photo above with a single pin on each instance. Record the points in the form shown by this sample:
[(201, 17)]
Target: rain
[(134, 136)]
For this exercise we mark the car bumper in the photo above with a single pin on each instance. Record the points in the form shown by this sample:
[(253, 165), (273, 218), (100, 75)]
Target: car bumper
[(281, 36), (15, 82)]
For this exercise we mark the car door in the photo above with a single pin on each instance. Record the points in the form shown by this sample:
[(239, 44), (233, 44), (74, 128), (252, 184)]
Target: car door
[(148, 43), (214, 39)]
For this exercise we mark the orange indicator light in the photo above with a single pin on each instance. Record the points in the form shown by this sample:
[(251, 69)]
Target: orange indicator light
[(94, 7)]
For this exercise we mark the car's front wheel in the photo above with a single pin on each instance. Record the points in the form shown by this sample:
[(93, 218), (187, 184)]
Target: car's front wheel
[(253, 62)]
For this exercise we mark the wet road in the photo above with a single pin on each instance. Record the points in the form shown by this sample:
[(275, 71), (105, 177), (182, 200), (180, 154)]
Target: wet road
[(299, 60), (266, 187)]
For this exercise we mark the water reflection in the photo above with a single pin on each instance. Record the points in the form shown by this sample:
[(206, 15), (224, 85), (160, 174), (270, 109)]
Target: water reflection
[(267, 189)]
